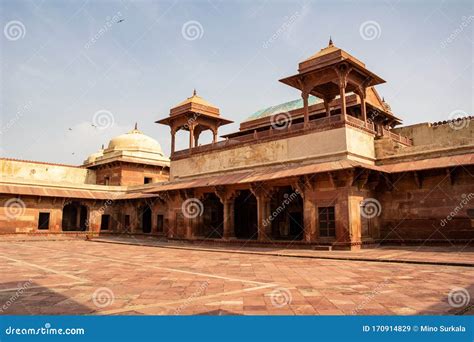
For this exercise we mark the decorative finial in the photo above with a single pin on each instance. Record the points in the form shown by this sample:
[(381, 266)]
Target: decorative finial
[(330, 41), (383, 98), (136, 125), (194, 92), (102, 146)]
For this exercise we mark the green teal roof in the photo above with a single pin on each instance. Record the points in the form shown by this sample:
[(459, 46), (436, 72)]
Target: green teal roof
[(283, 107)]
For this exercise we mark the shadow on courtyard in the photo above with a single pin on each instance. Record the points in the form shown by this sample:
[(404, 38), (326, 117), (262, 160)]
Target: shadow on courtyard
[(218, 312), (26, 297), (460, 301)]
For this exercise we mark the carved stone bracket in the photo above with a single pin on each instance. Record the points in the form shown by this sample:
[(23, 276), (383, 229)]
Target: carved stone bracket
[(225, 194)]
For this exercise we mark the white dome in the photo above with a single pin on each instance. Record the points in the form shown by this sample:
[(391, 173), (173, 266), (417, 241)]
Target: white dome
[(133, 147), (133, 141)]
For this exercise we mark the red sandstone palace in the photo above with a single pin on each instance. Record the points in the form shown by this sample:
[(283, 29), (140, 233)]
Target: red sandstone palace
[(332, 169)]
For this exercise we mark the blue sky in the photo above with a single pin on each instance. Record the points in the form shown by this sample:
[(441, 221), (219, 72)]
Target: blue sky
[(55, 75)]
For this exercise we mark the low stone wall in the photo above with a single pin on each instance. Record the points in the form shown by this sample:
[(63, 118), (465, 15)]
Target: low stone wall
[(435, 212)]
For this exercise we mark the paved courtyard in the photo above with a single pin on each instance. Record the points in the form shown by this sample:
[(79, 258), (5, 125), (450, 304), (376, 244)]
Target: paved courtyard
[(88, 277)]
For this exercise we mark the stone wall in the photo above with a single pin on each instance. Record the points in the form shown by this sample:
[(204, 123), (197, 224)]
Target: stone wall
[(129, 174), (435, 210), (34, 171), (328, 145), (429, 140)]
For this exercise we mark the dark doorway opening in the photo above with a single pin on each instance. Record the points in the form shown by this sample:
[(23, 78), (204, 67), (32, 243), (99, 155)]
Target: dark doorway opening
[(213, 217), (245, 216), (43, 221), (105, 222), (287, 214), (146, 219), (74, 217), (296, 225)]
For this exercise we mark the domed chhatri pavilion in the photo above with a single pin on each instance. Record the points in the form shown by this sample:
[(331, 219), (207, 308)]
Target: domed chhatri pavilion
[(333, 168), (132, 158)]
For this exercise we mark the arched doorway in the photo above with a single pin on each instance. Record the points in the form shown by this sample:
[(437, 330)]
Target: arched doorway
[(245, 216), (74, 217), (145, 214)]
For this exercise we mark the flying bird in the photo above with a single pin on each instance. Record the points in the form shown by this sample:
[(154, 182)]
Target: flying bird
[(70, 128), (121, 20)]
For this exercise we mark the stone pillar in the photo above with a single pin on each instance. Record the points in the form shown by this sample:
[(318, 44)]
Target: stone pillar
[(305, 96), (227, 197), (173, 140), (214, 135), (189, 228), (229, 231), (343, 71), (263, 213), (263, 195), (305, 186), (363, 108), (135, 219), (354, 219), (327, 101), (56, 218), (94, 219), (342, 94), (191, 136)]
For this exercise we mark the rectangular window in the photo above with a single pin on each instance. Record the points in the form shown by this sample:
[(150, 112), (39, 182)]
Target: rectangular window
[(106, 180), (104, 222), (148, 180), (127, 221), (159, 224), (327, 222), (43, 221)]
